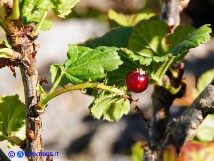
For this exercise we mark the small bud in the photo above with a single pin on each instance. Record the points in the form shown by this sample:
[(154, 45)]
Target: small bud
[(30, 135)]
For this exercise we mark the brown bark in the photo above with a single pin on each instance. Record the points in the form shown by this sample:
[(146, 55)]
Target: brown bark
[(183, 129), (21, 41)]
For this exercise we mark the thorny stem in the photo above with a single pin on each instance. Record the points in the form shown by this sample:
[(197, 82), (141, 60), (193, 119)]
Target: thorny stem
[(42, 103), (18, 37), (183, 129), (39, 25), (15, 13)]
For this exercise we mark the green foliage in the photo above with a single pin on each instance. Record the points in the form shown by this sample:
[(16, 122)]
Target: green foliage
[(205, 79), (117, 38), (128, 20), (12, 119), (113, 78), (151, 48), (179, 35), (63, 7), (197, 37), (141, 41), (148, 39), (205, 131), (33, 11), (161, 51), (86, 64), (110, 107)]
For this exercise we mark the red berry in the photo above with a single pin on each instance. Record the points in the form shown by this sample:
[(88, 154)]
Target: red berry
[(137, 81)]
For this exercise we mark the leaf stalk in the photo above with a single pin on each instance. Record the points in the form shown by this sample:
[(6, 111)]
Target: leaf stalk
[(39, 25), (43, 102), (16, 12)]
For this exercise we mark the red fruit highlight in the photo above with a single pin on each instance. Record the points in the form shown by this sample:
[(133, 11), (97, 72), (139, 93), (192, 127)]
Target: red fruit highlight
[(137, 81)]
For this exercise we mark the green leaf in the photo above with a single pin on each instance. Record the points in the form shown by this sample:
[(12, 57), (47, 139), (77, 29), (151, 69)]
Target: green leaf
[(205, 131), (12, 117), (128, 20), (154, 68), (205, 79), (179, 35), (63, 7), (33, 10), (137, 151), (197, 37), (156, 52), (110, 107), (117, 38), (85, 64), (147, 38)]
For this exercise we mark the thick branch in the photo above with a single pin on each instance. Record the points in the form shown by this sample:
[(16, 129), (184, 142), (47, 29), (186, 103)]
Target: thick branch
[(161, 100), (184, 128)]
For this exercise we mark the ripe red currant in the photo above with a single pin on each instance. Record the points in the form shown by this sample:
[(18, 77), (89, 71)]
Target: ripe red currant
[(137, 81)]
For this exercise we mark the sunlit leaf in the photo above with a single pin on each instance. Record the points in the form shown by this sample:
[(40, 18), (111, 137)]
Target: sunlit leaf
[(63, 7), (197, 37), (86, 64), (33, 10)]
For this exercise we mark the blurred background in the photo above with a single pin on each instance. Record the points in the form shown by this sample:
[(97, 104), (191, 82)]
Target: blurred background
[(68, 127)]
